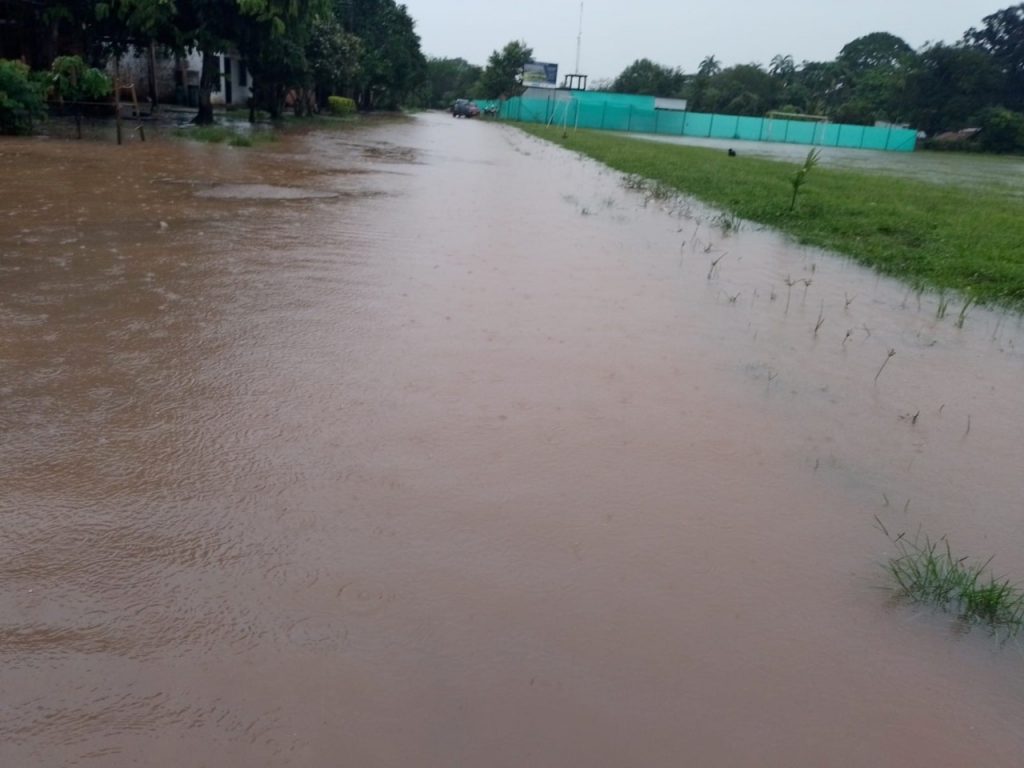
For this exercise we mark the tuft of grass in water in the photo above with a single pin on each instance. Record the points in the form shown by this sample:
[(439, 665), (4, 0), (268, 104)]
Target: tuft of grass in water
[(727, 222), (963, 312), (888, 356), (800, 177), (947, 237), (925, 571)]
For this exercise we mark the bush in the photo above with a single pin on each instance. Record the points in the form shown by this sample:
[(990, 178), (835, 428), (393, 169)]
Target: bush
[(21, 98), (1001, 130), (340, 106), (72, 80)]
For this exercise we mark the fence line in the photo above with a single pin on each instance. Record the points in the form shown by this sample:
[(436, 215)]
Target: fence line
[(609, 116)]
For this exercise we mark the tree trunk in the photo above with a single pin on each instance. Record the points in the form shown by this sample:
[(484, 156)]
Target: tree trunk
[(207, 79)]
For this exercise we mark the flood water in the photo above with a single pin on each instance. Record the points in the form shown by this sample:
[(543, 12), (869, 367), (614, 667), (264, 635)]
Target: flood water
[(993, 173), (425, 443)]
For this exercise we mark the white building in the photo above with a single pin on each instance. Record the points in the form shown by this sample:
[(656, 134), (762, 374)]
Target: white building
[(235, 81), (177, 78)]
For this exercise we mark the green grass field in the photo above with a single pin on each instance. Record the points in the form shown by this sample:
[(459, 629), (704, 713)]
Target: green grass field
[(943, 237)]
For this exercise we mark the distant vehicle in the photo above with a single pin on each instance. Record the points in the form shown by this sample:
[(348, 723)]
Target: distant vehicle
[(465, 108)]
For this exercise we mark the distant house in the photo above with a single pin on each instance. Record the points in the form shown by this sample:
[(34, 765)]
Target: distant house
[(235, 81), (956, 137), (177, 78)]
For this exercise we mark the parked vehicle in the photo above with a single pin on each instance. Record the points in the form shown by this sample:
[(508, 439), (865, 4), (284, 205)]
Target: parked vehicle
[(465, 108)]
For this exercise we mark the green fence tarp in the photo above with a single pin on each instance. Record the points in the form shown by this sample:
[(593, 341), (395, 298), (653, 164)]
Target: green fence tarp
[(636, 114)]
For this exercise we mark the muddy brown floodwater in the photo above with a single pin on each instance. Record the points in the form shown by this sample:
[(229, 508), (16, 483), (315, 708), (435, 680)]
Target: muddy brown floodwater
[(429, 444)]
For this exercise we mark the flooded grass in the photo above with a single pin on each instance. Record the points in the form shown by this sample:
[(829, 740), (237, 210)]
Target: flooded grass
[(224, 134), (943, 237), (926, 571)]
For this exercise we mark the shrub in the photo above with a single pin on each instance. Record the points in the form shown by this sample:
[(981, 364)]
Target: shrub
[(72, 80), (21, 99), (1001, 130), (340, 106)]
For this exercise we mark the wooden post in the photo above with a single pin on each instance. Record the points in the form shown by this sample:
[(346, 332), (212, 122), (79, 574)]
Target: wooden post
[(117, 97), (151, 66), (138, 113)]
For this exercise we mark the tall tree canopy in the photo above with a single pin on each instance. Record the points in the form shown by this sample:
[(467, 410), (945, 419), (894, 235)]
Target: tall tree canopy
[(645, 77), (1002, 37), (503, 75), (448, 80)]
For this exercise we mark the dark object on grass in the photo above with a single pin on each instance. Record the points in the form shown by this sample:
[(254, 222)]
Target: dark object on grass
[(732, 152)]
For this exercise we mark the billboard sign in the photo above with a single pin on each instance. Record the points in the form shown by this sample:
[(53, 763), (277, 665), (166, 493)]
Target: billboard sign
[(540, 73)]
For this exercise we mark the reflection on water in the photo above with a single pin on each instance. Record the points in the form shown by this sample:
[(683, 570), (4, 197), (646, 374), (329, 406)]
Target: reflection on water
[(433, 445)]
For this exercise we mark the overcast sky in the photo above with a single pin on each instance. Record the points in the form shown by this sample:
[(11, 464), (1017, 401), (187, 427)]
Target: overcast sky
[(678, 33)]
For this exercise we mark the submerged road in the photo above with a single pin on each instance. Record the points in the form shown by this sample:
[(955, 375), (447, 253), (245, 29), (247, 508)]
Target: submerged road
[(425, 443)]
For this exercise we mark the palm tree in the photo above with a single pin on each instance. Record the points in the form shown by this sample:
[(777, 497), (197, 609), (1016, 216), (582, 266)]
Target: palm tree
[(709, 67), (782, 67)]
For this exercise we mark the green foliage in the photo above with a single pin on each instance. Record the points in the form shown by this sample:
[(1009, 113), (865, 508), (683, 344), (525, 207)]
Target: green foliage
[(800, 177), (448, 80), (965, 239), (949, 87), (21, 98), (72, 80), (392, 67), (926, 571), (502, 77), (745, 89), (1001, 130), (1001, 37), (341, 106), (333, 55), (878, 50), (643, 76)]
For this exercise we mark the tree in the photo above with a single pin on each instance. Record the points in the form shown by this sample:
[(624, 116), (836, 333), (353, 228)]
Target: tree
[(448, 80), (951, 85), (818, 87), (698, 88), (645, 77), (709, 67), (872, 73), (1001, 130), (782, 68), (745, 89), (503, 75), (874, 51), (1002, 37), (391, 66), (333, 56), (783, 71), (21, 98), (72, 80)]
